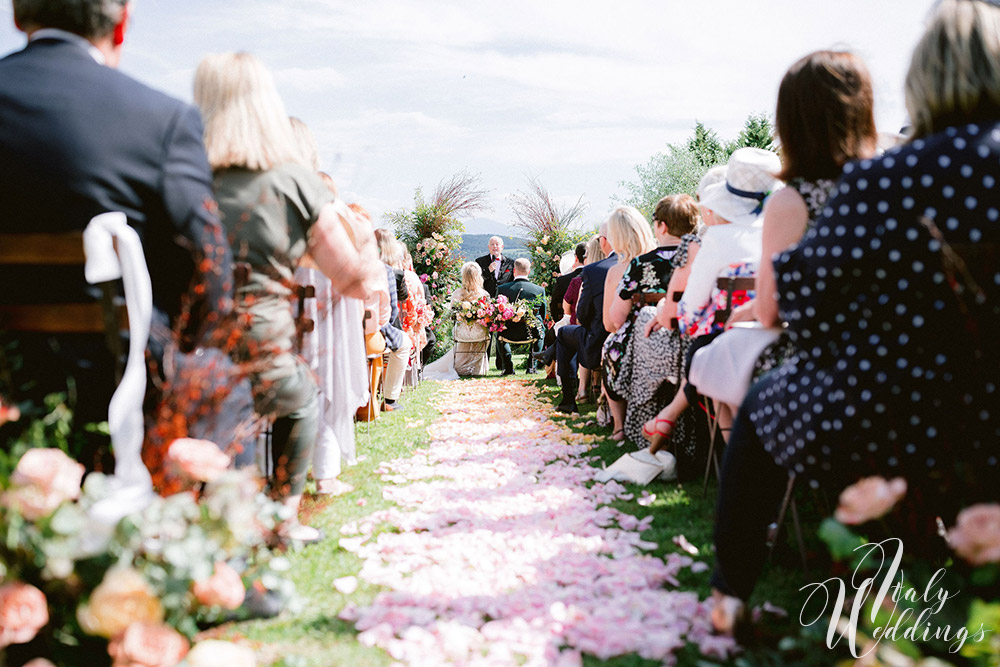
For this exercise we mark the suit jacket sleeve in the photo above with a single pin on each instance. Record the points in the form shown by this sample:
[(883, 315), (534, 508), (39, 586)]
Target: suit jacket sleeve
[(187, 197), (585, 305)]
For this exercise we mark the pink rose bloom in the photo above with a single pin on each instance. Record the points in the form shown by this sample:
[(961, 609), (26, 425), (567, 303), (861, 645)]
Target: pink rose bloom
[(869, 498), (223, 589), (198, 460), (23, 612), (976, 535), (148, 645), (43, 480)]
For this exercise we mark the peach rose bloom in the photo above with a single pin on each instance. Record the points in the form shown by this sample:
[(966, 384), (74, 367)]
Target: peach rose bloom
[(215, 652), (869, 498), (976, 535), (123, 597), (39, 662), (198, 460), (43, 480), (148, 645), (223, 589), (23, 612)]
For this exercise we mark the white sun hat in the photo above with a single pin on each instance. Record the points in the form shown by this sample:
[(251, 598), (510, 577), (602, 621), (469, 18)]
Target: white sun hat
[(750, 178)]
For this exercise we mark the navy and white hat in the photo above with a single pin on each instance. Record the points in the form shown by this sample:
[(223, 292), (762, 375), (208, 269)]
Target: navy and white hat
[(750, 178)]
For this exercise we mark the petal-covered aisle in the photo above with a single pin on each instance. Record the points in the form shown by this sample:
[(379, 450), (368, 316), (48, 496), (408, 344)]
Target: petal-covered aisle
[(498, 553)]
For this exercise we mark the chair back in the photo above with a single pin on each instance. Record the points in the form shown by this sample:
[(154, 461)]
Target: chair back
[(732, 285)]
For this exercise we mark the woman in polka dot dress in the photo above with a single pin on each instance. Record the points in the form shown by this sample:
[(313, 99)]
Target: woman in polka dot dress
[(891, 377)]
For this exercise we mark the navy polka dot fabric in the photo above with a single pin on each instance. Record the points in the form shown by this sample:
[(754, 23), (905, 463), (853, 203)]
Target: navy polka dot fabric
[(887, 379)]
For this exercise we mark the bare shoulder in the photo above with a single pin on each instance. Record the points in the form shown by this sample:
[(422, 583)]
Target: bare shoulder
[(785, 204)]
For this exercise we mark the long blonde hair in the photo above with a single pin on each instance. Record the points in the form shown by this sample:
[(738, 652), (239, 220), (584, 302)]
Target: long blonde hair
[(595, 253), (245, 120), (629, 233), (308, 149), (954, 76), (389, 248), (472, 278)]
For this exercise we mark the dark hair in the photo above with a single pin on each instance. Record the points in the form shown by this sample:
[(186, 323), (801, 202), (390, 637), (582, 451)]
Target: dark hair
[(678, 212), (87, 18), (824, 116), (581, 252)]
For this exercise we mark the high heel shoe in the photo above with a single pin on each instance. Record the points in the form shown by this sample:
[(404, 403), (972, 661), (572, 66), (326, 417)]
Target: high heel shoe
[(730, 616), (660, 435)]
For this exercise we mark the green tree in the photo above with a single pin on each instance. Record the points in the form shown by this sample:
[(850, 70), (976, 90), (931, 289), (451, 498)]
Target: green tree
[(679, 168), (706, 146), (757, 132)]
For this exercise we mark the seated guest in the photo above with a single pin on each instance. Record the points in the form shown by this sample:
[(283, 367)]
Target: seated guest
[(581, 344), (529, 329), (419, 311), (595, 252), (274, 209), (630, 236), (397, 341), (471, 338), (892, 362), (60, 166), (674, 221), (731, 246), (562, 282)]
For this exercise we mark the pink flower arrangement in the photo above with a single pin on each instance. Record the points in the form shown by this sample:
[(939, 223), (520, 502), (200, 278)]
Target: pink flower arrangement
[(23, 612), (869, 498), (223, 589), (198, 460), (148, 645), (976, 535), (43, 480)]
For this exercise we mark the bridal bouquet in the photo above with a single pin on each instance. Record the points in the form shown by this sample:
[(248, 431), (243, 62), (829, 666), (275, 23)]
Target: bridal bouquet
[(480, 312), (509, 312)]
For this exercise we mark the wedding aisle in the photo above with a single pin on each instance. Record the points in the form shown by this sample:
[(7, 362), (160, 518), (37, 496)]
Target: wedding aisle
[(501, 551)]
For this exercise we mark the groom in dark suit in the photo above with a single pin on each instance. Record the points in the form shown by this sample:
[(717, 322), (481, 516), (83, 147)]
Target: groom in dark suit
[(78, 138), (528, 330)]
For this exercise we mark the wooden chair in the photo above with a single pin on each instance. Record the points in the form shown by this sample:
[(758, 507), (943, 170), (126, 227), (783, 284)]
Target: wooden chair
[(65, 249), (730, 285)]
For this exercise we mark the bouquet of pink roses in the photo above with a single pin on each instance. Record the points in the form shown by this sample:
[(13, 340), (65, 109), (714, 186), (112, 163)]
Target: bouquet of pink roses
[(480, 312)]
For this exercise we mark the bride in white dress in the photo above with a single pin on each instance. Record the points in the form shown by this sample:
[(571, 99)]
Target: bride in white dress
[(468, 355)]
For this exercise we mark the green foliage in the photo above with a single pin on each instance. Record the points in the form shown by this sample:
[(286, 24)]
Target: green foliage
[(679, 168), (432, 232), (549, 227)]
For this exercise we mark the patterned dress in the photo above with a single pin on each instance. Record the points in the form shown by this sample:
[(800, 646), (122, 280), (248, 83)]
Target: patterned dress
[(890, 378), (647, 273)]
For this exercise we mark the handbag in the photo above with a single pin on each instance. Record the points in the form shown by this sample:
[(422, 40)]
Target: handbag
[(723, 369)]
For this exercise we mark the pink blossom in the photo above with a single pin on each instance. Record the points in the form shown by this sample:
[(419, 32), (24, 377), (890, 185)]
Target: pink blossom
[(198, 460), (976, 535), (43, 479), (23, 612), (869, 498)]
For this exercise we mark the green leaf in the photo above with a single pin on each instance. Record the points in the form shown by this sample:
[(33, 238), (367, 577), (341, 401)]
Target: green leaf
[(839, 539), (984, 615), (987, 575)]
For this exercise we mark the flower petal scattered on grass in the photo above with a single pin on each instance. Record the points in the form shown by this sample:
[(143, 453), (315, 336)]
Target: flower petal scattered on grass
[(500, 549)]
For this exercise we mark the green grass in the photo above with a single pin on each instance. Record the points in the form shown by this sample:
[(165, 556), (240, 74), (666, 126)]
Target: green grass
[(313, 636)]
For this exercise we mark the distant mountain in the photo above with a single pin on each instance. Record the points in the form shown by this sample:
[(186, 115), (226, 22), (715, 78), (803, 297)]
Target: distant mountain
[(477, 245), (488, 226)]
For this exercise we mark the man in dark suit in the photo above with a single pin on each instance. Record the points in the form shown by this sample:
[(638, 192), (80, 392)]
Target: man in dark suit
[(582, 343), (529, 329), (78, 138), (496, 268)]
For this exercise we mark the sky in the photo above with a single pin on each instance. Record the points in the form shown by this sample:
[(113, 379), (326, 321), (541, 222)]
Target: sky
[(576, 93)]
